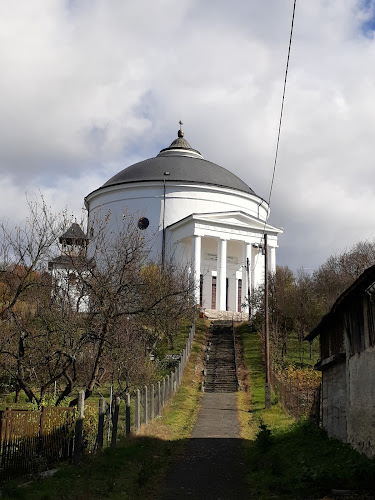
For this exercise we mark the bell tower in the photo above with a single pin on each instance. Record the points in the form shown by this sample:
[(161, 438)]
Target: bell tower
[(74, 242)]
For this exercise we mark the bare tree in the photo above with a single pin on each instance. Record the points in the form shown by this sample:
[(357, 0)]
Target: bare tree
[(47, 340)]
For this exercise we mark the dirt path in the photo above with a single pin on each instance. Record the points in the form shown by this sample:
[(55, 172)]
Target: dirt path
[(211, 467)]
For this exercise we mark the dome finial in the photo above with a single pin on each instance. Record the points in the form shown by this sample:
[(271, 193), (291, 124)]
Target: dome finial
[(180, 133)]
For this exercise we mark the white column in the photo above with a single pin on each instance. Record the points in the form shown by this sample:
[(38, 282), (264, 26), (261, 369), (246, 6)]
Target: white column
[(245, 282), (196, 244), (256, 255), (221, 285), (272, 259)]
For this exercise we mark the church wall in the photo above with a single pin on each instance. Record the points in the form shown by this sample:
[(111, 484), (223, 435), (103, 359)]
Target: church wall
[(182, 200), (207, 290), (138, 202), (147, 200), (257, 266), (185, 200)]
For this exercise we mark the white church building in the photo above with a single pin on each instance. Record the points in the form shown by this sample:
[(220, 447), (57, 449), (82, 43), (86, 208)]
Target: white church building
[(201, 214)]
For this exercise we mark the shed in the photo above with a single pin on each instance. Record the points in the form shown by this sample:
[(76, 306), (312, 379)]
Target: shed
[(347, 362)]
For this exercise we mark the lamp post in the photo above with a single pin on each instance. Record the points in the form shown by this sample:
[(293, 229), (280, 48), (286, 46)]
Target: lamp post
[(163, 243)]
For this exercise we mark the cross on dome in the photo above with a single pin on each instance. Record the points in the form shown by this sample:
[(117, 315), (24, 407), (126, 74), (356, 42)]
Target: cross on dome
[(180, 133)]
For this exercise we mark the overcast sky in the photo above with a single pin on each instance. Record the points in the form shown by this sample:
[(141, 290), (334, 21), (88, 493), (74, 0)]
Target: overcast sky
[(88, 87)]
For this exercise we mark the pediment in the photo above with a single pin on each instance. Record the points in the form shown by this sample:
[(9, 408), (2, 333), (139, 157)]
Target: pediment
[(234, 219), (239, 219)]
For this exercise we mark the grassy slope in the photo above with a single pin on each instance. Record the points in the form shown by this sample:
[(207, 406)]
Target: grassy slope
[(134, 468), (288, 459), (298, 353), (251, 401)]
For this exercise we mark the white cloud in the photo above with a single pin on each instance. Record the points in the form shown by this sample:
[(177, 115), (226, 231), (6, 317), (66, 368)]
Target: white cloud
[(89, 87)]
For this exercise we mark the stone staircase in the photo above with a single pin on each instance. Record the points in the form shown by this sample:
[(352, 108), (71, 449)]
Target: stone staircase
[(220, 363)]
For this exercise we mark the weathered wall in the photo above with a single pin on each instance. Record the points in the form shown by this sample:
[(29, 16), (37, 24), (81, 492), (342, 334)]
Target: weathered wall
[(361, 404), (334, 401)]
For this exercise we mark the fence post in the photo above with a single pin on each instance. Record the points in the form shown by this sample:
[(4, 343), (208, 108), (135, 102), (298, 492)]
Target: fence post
[(171, 382), (298, 400), (99, 437), (167, 388), (308, 400), (290, 393), (152, 402), (78, 438), (158, 408), (127, 414), (4, 440), (115, 422), (163, 393), (137, 409), (41, 426), (145, 406)]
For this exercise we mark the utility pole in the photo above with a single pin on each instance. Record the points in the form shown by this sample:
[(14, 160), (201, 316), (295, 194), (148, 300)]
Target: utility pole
[(267, 388)]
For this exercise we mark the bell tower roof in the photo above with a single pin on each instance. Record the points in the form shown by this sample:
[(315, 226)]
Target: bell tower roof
[(74, 236)]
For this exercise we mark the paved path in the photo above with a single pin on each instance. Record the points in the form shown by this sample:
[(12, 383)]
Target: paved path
[(211, 466)]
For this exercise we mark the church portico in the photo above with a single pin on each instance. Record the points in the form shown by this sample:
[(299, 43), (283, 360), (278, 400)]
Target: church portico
[(225, 251)]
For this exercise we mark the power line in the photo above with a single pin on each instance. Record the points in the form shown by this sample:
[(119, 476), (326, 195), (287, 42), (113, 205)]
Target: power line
[(280, 120), (262, 237), (267, 387), (282, 103)]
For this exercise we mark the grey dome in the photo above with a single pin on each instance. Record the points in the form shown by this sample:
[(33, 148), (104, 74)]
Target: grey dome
[(183, 164)]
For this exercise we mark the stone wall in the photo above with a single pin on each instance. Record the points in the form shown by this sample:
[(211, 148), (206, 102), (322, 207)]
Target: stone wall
[(334, 399), (225, 315), (361, 404)]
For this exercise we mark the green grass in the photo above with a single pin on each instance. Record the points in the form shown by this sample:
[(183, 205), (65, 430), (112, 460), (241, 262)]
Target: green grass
[(133, 470), (125, 472), (252, 403), (301, 462), (288, 459), (285, 459), (298, 353)]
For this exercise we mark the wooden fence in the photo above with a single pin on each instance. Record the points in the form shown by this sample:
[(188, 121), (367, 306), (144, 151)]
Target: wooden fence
[(299, 398), (34, 440), (141, 407), (31, 440)]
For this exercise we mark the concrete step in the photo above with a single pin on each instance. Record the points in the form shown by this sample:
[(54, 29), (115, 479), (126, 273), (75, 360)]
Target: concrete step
[(220, 365)]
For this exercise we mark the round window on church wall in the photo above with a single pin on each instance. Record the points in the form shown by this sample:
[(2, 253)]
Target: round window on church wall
[(143, 223)]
